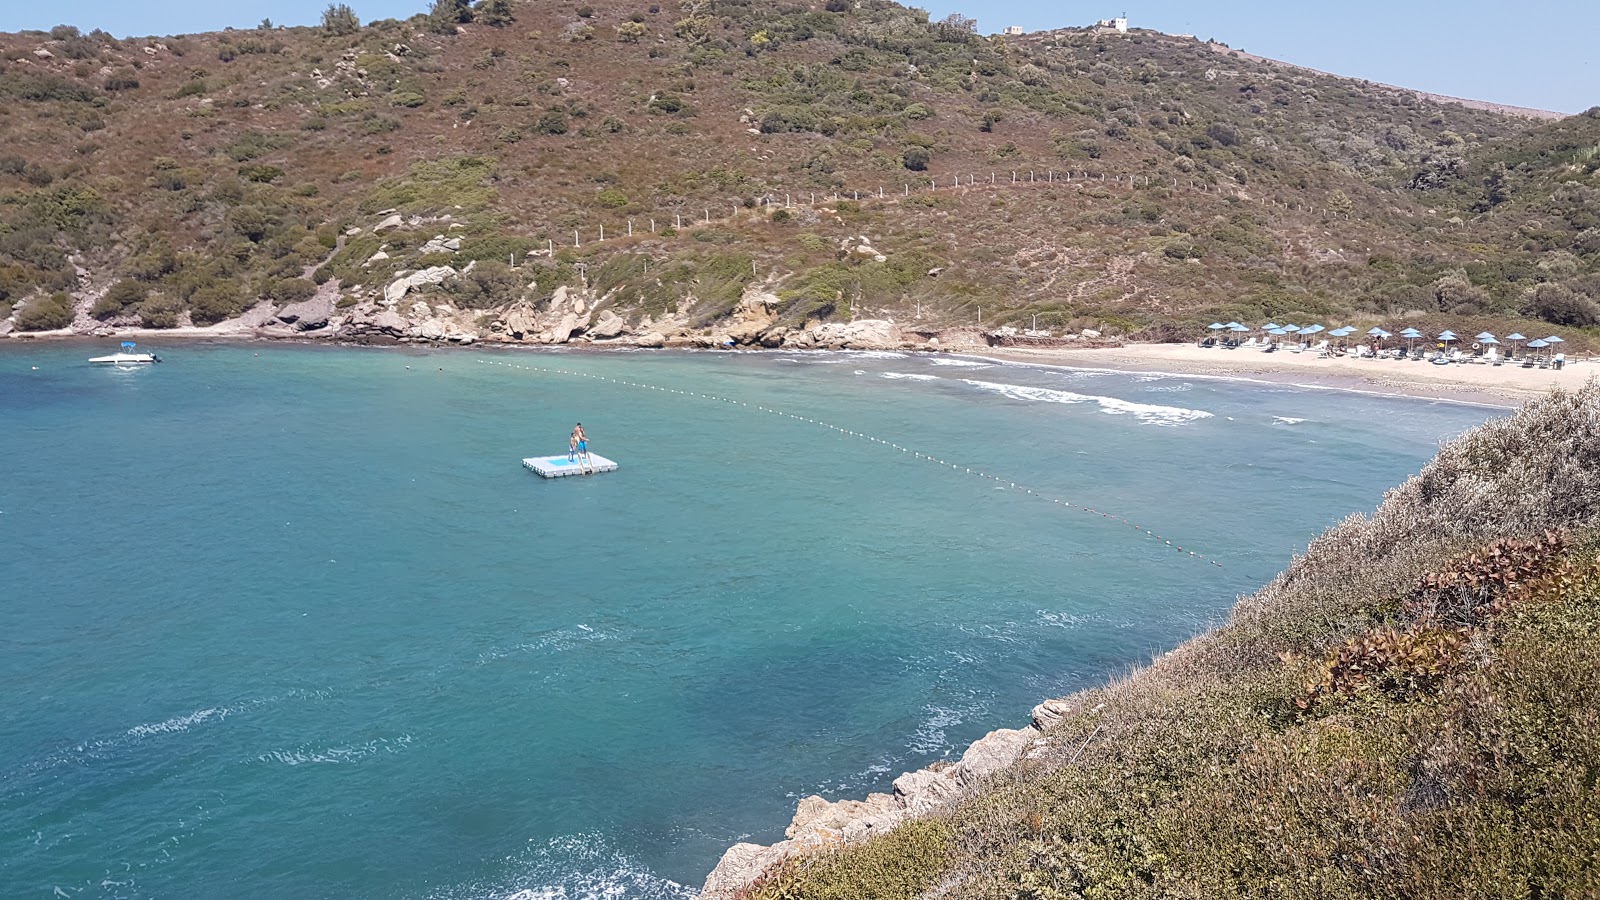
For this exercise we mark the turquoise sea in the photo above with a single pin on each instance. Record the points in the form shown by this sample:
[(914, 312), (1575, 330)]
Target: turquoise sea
[(291, 621)]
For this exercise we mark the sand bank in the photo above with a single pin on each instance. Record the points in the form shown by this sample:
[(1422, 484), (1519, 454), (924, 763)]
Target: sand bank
[(1470, 382)]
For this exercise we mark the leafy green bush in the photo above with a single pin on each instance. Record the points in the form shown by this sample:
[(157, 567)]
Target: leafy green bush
[(120, 297), (160, 311), (46, 313)]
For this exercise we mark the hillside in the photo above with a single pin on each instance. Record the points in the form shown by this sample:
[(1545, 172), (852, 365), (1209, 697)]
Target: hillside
[(808, 151), (1408, 710)]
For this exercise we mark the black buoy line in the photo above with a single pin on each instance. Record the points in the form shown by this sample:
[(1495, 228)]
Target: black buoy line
[(915, 454)]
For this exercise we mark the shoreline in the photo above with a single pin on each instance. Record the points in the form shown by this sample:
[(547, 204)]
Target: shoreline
[(1503, 387)]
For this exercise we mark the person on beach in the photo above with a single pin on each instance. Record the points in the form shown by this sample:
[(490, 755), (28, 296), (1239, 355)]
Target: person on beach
[(572, 446)]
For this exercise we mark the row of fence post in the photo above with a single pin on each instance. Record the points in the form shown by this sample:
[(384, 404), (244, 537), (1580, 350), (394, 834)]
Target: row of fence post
[(1017, 177)]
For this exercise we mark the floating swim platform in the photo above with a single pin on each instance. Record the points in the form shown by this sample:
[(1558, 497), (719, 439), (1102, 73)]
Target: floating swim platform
[(560, 466)]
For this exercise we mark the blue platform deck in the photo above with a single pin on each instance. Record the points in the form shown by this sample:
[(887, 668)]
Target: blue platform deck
[(559, 466)]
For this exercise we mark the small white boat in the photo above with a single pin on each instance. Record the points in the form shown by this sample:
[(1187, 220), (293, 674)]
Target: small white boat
[(126, 357)]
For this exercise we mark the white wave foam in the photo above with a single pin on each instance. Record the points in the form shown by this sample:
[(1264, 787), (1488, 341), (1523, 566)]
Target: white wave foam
[(876, 354), (930, 735), (962, 363), (575, 867), (1286, 420), (1147, 413), (908, 376), (179, 723), (304, 757)]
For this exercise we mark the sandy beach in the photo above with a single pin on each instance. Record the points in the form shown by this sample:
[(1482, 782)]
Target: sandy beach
[(1504, 385)]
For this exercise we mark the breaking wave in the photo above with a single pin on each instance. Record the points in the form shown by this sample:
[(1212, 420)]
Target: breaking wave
[(1147, 413)]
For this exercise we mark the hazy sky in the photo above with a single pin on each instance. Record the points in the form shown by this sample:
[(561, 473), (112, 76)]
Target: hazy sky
[(1538, 53)]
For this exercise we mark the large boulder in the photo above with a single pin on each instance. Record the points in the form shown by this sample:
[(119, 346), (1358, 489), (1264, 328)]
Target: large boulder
[(609, 325), (397, 289), (993, 752), (307, 315), (650, 339), (740, 867), (925, 790), (521, 321), (562, 331)]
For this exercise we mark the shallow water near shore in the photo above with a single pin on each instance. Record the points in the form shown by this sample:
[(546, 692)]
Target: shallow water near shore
[(284, 621)]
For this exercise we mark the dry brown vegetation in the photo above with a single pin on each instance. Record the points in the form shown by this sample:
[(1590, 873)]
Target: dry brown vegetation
[(213, 168), (1412, 709)]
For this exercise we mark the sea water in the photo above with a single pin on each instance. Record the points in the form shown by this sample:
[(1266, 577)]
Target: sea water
[(282, 621)]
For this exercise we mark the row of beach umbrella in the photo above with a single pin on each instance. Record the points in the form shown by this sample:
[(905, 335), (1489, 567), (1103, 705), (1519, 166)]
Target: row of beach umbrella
[(1410, 334)]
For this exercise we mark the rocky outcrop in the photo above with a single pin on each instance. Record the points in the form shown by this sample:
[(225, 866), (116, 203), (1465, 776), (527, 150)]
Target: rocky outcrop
[(307, 315), (608, 326), (865, 334), (397, 289), (819, 824)]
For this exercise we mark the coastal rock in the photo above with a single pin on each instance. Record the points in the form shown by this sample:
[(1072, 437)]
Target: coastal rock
[(397, 289), (925, 790), (866, 334), (992, 752), (307, 315), (394, 221), (824, 821), (739, 867), (562, 332), (609, 325), (1050, 712), (650, 339), (520, 321)]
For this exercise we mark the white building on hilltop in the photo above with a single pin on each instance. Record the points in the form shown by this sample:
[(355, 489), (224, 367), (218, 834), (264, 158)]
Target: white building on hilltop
[(1013, 30), (1119, 25)]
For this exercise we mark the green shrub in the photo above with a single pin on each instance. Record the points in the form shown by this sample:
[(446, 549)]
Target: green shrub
[(46, 313), (160, 311), (611, 198), (121, 296)]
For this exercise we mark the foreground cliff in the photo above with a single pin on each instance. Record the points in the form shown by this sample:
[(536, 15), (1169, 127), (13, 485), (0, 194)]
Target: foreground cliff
[(1411, 709)]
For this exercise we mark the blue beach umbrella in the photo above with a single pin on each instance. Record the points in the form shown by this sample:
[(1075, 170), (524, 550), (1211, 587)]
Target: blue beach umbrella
[(1448, 336), (1538, 345), (1552, 339), (1411, 333), (1491, 340), (1216, 326), (1270, 325), (1484, 336)]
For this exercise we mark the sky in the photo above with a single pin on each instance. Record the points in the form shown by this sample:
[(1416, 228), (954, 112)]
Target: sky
[(1537, 53)]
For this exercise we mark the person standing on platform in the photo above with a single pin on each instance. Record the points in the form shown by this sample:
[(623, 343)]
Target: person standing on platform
[(582, 440)]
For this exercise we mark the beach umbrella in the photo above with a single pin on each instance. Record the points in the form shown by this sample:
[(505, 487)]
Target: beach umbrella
[(1491, 340), (1515, 337), (1552, 339), (1270, 325), (1411, 333), (1448, 336), (1233, 325), (1484, 336), (1538, 345), (1216, 326), (1291, 328), (1312, 329)]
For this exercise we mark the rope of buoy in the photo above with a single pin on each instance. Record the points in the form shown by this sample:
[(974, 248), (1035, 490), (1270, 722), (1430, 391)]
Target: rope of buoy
[(916, 454)]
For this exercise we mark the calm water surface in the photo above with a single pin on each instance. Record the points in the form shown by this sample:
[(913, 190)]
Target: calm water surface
[(292, 622)]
